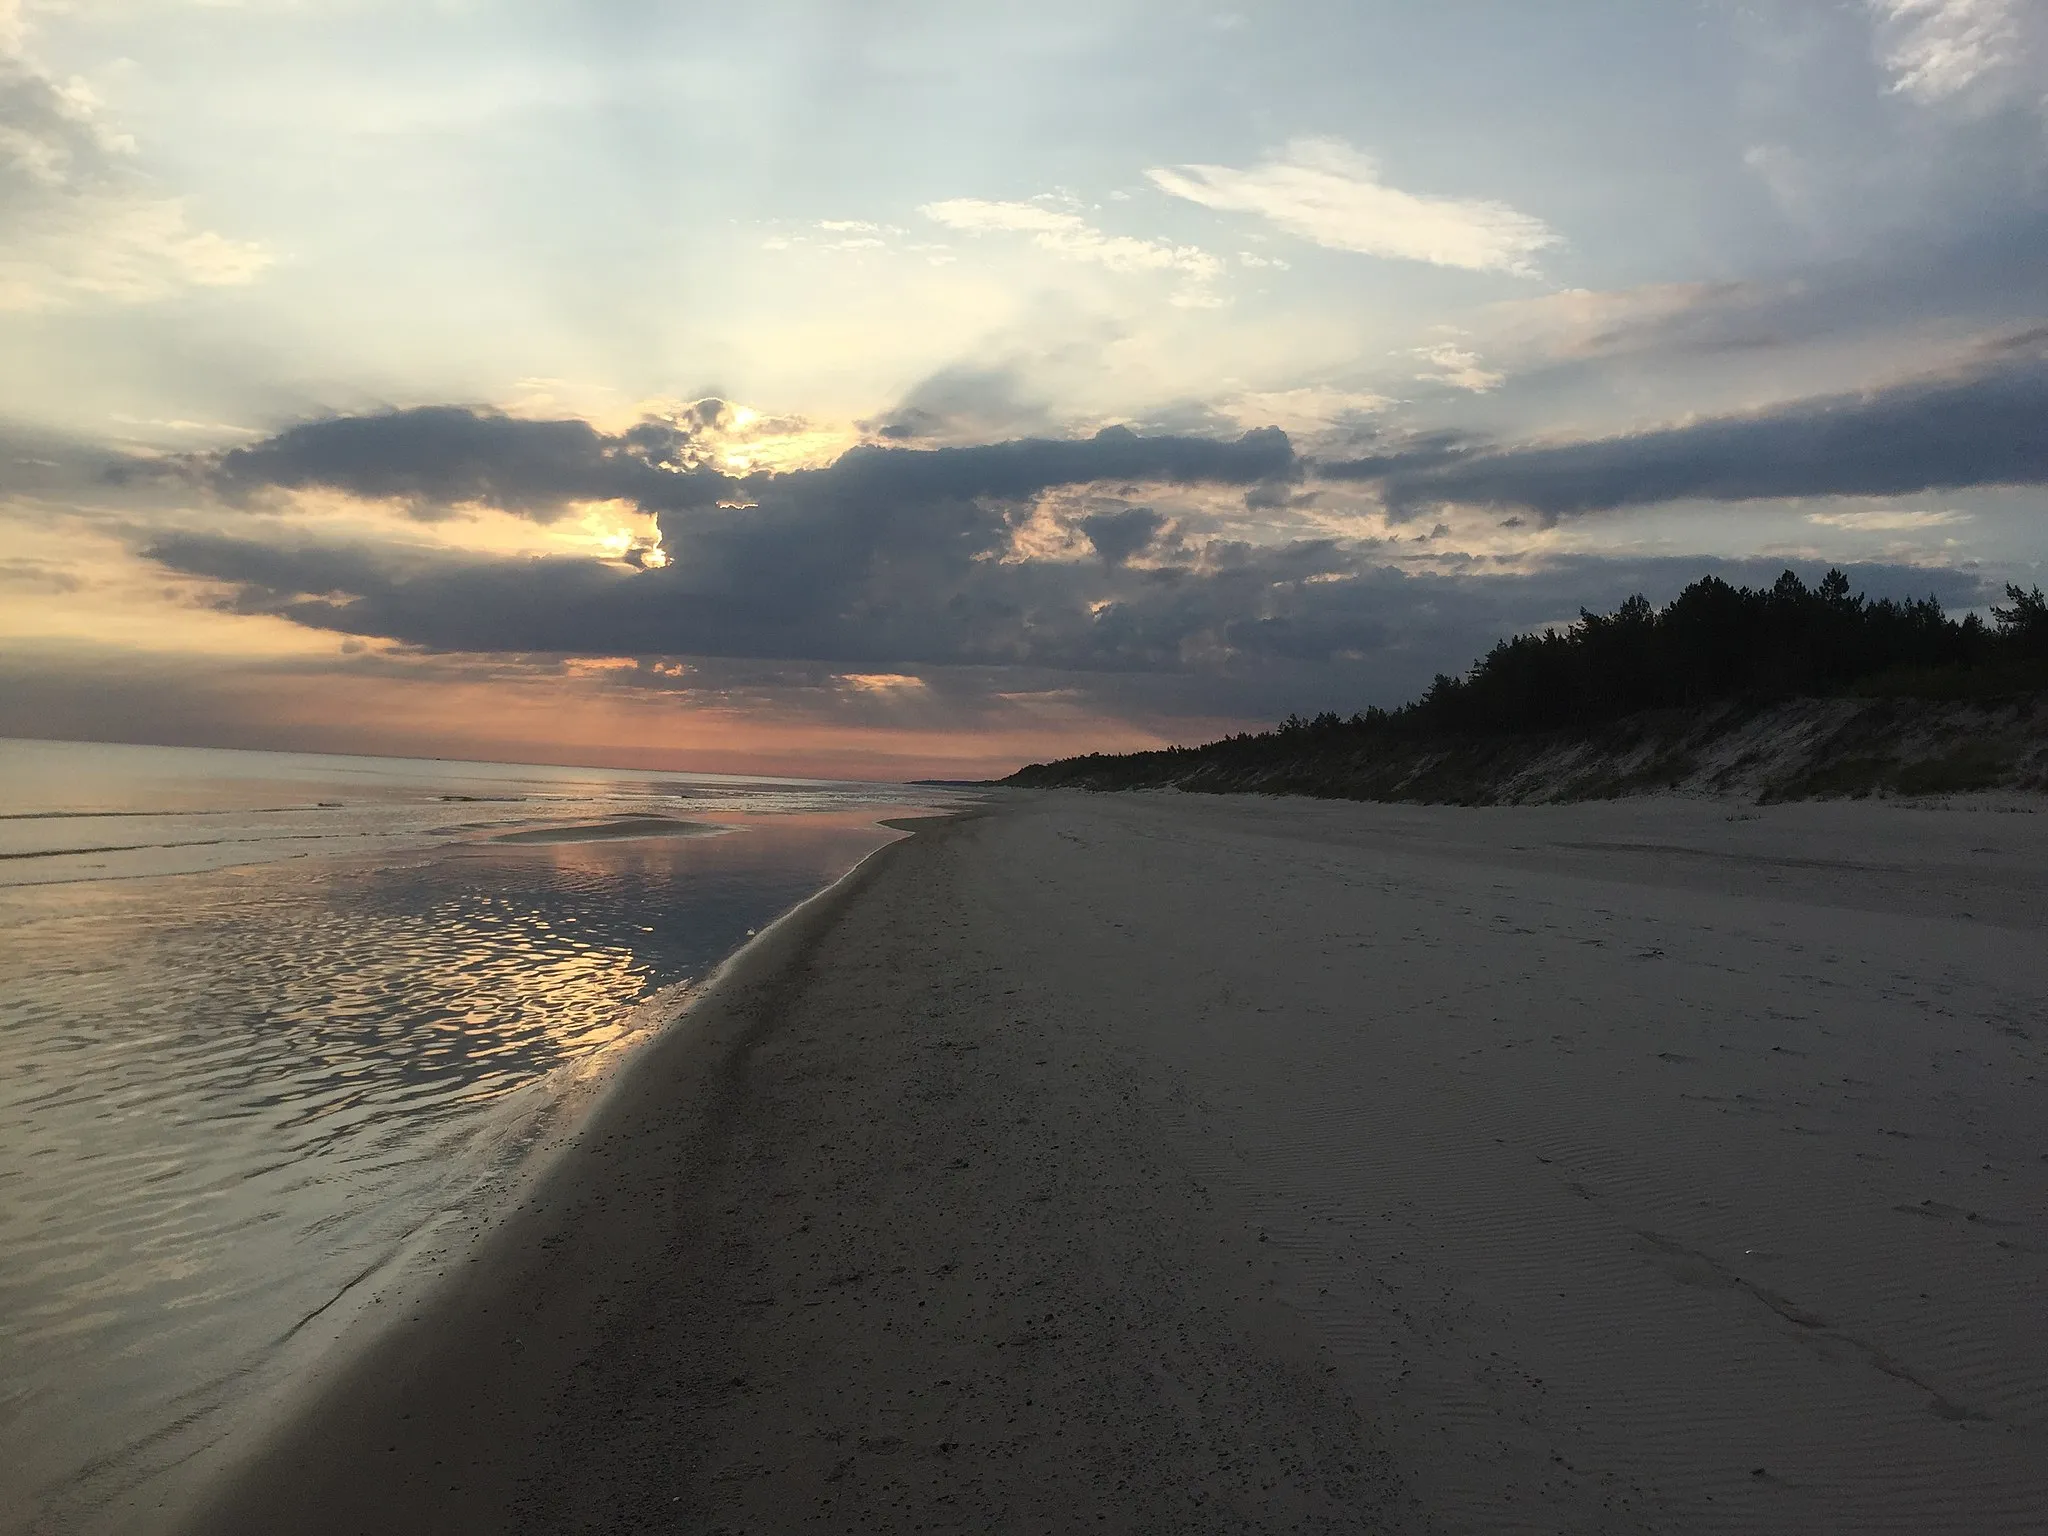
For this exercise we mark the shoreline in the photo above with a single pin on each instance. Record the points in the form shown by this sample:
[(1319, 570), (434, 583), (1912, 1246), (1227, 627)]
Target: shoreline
[(297, 1063), (1138, 1164), (358, 1359)]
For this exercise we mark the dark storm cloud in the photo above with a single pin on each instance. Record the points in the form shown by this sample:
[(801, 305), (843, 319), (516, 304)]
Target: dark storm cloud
[(1982, 428), (1423, 451), (903, 560), (1243, 631), (1117, 536), (888, 555), (438, 456), (920, 592), (1033, 464)]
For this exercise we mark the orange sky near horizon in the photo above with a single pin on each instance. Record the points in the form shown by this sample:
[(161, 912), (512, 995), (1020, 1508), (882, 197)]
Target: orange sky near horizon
[(571, 717)]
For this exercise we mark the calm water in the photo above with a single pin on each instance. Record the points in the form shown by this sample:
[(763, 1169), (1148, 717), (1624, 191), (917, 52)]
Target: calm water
[(271, 1024)]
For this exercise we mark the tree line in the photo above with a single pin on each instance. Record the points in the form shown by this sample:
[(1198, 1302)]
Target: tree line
[(1715, 642), (1711, 644)]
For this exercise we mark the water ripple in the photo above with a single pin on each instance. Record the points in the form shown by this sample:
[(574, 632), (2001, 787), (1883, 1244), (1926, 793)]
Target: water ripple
[(225, 1094)]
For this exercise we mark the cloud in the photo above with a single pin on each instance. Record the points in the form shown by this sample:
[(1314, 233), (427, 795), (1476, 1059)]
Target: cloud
[(40, 464), (42, 577), (888, 556), (1014, 470), (966, 402), (1044, 559), (442, 456), (1986, 275), (843, 236), (886, 683), (1397, 455), (1584, 323), (911, 563), (1117, 536), (435, 458), (1327, 192), (1888, 519), (1070, 237), (1978, 427), (1324, 419), (1235, 632), (924, 589), (1313, 410), (1788, 176), (1459, 367), (79, 220), (1940, 50)]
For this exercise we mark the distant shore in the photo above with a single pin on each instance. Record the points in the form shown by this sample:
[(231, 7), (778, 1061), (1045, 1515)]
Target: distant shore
[(1128, 1164)]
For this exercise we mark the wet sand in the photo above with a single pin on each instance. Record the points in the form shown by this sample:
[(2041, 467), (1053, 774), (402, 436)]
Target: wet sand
[(1138, 1163)]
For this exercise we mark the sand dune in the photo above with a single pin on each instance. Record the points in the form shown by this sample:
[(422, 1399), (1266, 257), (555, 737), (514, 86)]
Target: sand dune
[(1172, 1163)]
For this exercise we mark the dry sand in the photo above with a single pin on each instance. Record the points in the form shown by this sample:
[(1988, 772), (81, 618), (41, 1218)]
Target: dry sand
[(1134, 1163)]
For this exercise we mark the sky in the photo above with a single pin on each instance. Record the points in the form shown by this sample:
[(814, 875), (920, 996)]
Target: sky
[(882, 389)]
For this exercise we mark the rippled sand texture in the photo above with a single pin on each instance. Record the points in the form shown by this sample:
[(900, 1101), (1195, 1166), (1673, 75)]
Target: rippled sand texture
[(1118, 1163), (226, 1097)]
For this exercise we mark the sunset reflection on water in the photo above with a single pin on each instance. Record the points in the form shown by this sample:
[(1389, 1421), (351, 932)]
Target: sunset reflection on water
[(226, 1095)]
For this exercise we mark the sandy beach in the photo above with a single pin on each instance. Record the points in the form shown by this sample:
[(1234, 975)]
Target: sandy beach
[(1177, 1163)]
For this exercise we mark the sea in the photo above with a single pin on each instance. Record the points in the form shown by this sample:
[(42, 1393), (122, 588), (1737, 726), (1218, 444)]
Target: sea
[(280, 1031)]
